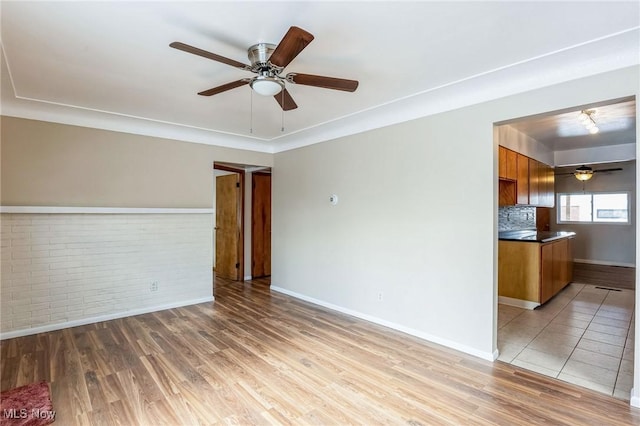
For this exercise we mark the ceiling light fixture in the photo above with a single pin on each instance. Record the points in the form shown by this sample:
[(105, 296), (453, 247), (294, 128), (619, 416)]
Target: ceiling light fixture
[(583, 173), (586, 118), (267, 85)]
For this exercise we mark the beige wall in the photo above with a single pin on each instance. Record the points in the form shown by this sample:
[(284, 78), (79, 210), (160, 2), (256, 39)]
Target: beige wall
[(608, 243), (416, 219), (48, 164)]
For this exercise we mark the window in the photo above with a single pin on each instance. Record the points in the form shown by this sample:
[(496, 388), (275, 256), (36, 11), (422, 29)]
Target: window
[(610, 207)]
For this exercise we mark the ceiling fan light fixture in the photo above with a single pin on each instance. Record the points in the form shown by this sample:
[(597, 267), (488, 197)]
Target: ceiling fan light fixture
[(594, 130), (583, 173), (267, 86)]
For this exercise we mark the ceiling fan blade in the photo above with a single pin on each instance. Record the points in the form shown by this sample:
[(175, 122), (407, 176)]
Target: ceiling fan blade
[(293, 42), (322, 81), (285, 100), (607, 170), (194, 50), (224, 87)]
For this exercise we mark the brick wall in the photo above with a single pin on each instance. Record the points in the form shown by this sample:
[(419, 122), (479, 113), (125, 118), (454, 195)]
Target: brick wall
[(60, 270)]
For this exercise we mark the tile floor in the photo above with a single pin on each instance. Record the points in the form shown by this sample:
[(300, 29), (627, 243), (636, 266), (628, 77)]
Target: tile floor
[(584, 335)]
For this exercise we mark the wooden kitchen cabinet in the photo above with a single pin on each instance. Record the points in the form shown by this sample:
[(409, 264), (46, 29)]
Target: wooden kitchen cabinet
[(507, 163), (541, 185), (507, 193), (523, 180), (547, 191), (543, 219), (534, 272), (507, 172), (547, 270), (533, 180), (556, 267)]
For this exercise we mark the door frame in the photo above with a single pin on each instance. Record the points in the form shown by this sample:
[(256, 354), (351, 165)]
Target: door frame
[(239, 213)]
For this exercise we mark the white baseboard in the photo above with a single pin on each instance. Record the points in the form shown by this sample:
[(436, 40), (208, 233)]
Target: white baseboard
[(635, 399), (92, 320), (605, 263), (518, 303), (248, 277), (496, 354), (489, 356)]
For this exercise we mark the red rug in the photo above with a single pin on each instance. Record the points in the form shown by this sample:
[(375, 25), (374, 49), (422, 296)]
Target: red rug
[(28, 405)]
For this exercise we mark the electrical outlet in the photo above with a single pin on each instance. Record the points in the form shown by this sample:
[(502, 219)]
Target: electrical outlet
[(380, 296), (154, 286)]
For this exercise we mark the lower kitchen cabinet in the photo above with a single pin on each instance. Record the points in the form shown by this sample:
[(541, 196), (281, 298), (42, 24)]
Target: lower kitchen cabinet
[(533, 272)]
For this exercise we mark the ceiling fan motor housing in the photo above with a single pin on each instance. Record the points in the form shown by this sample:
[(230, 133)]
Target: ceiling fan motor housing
[(259, 55), (267, 82)]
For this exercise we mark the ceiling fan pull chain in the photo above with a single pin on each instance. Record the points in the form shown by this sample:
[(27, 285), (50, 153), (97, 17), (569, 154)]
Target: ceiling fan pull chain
[(282, 128), (251, 111)]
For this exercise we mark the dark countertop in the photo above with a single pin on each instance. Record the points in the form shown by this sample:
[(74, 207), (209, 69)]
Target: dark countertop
[(533, 236)]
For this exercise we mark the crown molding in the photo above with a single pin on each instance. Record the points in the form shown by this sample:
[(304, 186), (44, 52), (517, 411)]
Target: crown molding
[(606, 54)]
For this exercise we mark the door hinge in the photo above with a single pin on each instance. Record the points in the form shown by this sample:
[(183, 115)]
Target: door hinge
[(237, 184), (237, 265)]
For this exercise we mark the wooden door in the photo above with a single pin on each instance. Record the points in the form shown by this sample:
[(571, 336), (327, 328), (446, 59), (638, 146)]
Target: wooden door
[(261, 225), (228, 226)]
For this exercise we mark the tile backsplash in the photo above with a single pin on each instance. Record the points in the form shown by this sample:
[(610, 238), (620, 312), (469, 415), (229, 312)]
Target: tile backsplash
[(513, 218)]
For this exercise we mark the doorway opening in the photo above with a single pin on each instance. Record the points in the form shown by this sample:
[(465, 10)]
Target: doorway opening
[(242, 222), (583, 332)]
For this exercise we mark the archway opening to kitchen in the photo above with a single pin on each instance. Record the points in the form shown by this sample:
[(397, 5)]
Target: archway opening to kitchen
[(566, 249)]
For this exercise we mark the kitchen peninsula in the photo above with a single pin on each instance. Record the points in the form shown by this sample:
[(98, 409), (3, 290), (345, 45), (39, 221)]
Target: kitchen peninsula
[(533, 266)]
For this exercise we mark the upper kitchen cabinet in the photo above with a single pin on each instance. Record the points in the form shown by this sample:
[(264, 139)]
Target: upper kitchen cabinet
[(532, 180), (523, 179), (508, 174), (536, 188), (548, 195), (508, 164), (541, 184)]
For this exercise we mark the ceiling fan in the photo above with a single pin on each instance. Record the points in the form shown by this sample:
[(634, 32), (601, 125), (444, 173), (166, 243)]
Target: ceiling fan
[(584, 173), (268, 61)]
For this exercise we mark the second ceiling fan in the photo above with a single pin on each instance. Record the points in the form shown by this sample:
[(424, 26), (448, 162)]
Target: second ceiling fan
[(584, 173), (268, 61)]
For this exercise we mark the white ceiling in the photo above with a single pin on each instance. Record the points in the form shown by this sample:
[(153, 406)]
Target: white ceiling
[(109, 64), (563, 131)]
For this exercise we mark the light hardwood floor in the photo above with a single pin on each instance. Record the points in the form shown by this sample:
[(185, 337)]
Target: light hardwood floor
[(259, 357)]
